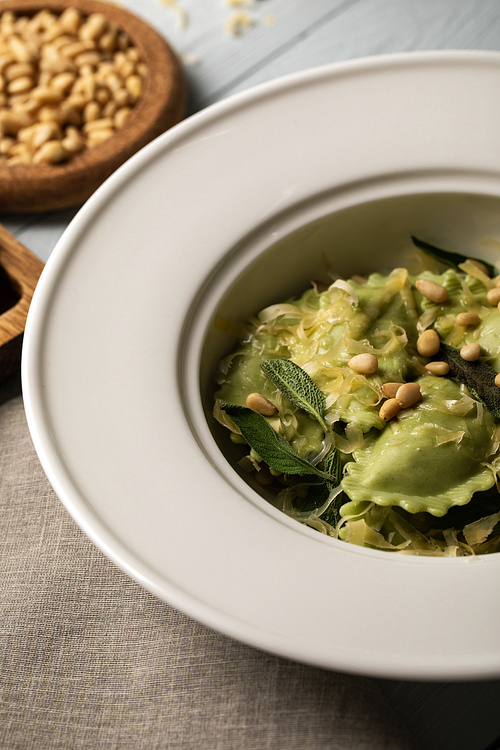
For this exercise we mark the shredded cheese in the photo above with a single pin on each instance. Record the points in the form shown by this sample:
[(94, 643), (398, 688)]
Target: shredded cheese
[(182, 16), (236, 22)]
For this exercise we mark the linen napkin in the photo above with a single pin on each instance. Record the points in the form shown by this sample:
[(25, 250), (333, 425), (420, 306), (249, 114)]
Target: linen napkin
[(89, 660)]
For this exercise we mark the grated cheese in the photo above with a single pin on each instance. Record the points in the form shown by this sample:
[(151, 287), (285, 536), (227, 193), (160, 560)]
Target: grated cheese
[(237, 21), (239, 3), (182, 16)]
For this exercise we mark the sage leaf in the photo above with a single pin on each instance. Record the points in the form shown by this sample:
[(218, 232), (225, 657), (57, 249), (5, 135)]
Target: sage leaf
[(271, 447), (296, 385), (478, 376), (333, 466), (449, 258), (317, 495), (319, 492)]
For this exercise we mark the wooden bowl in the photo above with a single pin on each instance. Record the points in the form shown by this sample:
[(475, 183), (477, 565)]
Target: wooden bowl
[(43, 187), (20, 270)]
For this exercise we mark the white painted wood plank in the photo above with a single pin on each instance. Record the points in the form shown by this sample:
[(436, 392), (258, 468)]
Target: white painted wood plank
[(368, 28), (39, 232), (223, 60)]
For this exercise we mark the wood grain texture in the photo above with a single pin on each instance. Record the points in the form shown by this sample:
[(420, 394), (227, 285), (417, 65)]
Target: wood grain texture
[(20, 271), (43, 187)]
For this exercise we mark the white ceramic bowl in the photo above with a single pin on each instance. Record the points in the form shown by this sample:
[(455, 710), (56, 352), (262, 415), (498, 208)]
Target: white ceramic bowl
[(237, 207)]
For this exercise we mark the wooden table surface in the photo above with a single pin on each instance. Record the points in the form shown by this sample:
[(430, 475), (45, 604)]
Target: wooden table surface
[(287, 36)]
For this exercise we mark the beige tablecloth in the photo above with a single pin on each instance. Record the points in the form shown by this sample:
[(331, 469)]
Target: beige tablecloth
[(91, 660)]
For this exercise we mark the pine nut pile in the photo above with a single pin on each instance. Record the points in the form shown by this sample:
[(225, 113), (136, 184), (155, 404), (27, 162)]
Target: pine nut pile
[(67, 83)]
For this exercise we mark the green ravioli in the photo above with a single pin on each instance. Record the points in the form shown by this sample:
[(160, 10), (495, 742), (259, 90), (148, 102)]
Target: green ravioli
[(427, 460)]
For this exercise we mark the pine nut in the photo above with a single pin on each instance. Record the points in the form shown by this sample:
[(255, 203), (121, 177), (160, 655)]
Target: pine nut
[(264, 476), (134, 86), (493, 296), (104, 68), (51, 152), (55, 62), (109, 109), (98, 135), (69, 115), (63, 81), (20, 85), (408, 395), (121, 117), (30, 106), (497, 380), (61, 41), (72, 49), (91, 111), (76, 101), (47, 95), (364, 364), (390, 389), (126, 68), (73, 141), (50, 114), (468, 319), (6, 59), (98, 124), (54, 31), (18, 101), (438, 368), (20, 50), (122, 97), (113, 81), (428, 343), (94, 27), (432, 291), (46, 131), (108, 42), (70, 20), (16, 70), (259, 403), (470, 352), (24, 135), (389, 409), (89, 57), (12, 122), (21, 153), (133, 54), (6, 145), (102, 95)]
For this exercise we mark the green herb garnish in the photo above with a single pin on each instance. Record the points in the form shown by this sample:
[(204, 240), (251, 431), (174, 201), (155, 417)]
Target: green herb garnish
[(478, 376), (270, 446), (297, 386), (449, 258), (319, 491)]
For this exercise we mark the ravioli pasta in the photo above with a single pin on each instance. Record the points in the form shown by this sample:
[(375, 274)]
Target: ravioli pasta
[(423, 482)]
